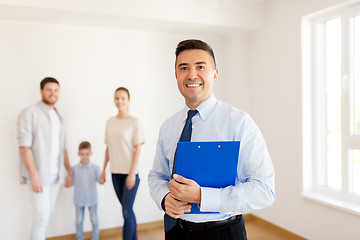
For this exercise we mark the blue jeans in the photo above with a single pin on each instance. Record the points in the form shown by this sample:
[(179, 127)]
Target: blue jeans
[(126, 198), (80, 221)]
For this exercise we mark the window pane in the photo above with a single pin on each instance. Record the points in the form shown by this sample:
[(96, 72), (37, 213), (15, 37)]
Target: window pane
[(355, 160), (356, 70), (332, 101)]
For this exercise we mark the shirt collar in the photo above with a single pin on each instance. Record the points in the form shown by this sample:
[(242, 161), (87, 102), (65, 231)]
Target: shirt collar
[(44, 106), (85, 166), (204, 109)]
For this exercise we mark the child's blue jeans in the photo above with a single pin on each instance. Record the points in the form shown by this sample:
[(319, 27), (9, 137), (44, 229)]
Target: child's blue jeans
[(80, 221)]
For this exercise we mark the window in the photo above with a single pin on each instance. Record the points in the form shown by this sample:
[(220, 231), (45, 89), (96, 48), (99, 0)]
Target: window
[(331, 106)]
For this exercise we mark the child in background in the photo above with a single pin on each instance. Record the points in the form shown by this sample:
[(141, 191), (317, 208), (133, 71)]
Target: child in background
[(85, 176)]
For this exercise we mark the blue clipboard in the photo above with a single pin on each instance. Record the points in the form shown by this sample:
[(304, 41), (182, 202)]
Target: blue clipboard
[(210, 164)]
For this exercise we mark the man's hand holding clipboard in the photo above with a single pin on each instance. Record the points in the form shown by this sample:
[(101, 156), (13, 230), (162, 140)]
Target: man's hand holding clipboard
[(203, 164), (182, 192)]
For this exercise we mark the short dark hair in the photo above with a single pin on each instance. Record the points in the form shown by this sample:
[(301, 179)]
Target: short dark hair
[(191, 44), (84, 145), (47, 80), (123, 89)]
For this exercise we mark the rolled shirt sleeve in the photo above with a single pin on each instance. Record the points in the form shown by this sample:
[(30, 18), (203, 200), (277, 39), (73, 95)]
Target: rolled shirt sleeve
[(24, 128)]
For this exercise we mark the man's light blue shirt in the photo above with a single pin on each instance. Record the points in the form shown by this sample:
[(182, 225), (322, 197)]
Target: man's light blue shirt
[(218, 121), (85, 178)]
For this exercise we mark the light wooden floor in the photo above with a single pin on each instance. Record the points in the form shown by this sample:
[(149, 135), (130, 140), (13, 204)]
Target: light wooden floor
[(257, 229)]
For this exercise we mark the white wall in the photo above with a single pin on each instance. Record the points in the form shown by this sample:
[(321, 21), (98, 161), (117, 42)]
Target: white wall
[(90, 64), (234, 84), (259, 72), (276, 105)]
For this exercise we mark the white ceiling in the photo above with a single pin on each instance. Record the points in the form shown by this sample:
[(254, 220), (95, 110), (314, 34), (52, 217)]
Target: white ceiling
[(186, 16)]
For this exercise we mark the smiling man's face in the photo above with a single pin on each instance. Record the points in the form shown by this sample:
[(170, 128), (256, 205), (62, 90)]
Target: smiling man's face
[(50, 93), (196, 74)]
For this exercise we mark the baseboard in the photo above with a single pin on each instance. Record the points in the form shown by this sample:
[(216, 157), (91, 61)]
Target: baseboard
[(111, 231), (272, 227)]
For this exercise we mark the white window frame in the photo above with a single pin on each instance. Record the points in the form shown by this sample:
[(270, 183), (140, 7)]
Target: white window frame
[(311, 104)]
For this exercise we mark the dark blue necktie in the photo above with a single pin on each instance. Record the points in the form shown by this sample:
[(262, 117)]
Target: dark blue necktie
[(186, 132), (170, 222)]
